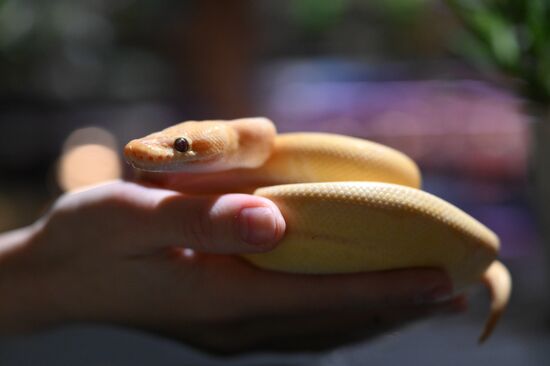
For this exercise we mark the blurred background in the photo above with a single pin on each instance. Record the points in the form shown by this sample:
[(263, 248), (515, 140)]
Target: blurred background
[(460, 86)]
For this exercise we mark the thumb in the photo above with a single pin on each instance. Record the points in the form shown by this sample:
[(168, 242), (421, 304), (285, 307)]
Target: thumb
[(232, 223)]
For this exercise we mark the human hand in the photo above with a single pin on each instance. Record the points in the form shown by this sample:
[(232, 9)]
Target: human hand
[(114, 254)]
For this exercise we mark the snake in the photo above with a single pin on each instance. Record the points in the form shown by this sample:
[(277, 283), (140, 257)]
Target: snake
[(350, 205)]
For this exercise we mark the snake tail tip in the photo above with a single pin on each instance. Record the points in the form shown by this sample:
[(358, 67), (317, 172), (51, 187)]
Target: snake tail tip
[(489, 327), (498, 281)]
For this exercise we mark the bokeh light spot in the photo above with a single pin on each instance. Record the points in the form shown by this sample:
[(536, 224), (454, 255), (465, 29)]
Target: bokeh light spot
[(89, 157)]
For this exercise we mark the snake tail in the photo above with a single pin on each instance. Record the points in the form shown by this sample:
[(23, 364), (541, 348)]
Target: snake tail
[(499, 282)]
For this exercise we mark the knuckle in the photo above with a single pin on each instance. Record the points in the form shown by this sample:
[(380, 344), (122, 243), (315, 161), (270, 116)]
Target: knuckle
[(197, 232)]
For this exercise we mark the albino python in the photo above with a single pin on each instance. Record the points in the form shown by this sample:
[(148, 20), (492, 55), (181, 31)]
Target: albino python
[(350, 205)]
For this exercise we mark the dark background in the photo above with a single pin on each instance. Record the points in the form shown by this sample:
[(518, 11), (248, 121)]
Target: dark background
[(383, 70)]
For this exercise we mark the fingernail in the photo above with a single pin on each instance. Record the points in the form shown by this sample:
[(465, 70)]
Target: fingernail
[(258, 225), (434, 295)]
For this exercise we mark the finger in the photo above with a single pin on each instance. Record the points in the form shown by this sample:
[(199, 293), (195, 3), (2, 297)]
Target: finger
[(322, 330), (233, 223), (315, 331), (280, 292), (235, 180)]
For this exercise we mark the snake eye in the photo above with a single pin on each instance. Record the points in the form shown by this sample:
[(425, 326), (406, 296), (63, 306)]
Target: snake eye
[(181, 144)]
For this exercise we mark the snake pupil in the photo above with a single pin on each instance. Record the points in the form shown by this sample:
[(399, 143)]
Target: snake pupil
[(181, 144)]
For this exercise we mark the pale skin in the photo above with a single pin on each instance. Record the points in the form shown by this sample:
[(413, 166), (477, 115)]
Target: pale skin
[(114, 254)]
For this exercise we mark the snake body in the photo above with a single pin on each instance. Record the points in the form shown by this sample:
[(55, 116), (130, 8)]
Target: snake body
[(350, 205)]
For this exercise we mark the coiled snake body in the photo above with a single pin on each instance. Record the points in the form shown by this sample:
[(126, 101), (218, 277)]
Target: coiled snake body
[(350, 205)]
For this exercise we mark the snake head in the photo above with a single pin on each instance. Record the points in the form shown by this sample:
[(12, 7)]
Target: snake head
[(189, 146)]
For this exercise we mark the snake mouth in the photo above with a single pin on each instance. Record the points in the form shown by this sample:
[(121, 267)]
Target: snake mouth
[(147, 157)]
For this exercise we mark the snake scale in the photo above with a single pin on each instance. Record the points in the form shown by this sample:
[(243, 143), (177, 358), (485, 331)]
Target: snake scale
[(350, 205)]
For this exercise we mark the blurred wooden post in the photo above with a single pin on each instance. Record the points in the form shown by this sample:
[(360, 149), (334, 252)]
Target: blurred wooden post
[(540, 178), (218, 50)]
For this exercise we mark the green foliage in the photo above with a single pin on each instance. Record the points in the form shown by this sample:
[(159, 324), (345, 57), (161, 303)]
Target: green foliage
[(317, 15), (401, 9), (512, 36)]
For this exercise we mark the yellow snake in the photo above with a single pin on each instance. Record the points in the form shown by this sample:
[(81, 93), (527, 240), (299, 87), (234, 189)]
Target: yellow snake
[(350, 205)]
